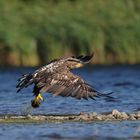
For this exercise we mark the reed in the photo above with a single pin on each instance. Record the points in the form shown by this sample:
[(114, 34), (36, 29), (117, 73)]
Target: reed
[(49, 28)]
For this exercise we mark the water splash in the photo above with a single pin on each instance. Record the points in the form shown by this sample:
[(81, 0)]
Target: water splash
[(27, 109)]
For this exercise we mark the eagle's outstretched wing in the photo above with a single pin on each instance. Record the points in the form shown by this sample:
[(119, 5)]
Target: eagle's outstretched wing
[(67, 84)]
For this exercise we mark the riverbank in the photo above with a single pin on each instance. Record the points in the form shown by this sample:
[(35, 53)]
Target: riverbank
[(115, 115)]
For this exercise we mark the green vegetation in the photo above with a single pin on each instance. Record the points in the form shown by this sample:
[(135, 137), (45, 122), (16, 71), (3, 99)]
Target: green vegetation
[(33, 32)]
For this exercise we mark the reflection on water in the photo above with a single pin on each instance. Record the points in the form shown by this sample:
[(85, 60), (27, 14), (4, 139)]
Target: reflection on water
[(85, 131), (122, 80)]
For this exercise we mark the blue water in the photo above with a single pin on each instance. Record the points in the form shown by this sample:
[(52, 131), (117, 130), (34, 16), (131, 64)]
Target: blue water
[(124, 81)]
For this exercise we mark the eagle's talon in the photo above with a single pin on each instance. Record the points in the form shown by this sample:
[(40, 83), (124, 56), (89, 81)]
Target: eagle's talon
[(39, 97), (36, 102)]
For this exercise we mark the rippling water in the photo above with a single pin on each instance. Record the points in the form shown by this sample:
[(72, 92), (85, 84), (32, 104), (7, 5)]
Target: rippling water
[(124, 81)]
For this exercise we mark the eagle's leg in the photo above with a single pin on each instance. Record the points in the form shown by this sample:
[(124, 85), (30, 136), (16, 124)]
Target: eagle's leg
[(36, 102)]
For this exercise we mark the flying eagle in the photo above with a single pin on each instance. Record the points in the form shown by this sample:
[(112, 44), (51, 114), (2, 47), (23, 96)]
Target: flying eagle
[(56, 78)]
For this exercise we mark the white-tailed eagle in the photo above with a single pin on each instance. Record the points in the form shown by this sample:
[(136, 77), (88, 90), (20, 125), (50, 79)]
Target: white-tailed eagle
[(56, 78)]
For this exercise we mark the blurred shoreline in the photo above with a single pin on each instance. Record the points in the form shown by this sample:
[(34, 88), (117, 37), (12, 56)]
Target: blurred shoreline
[(34, 32)]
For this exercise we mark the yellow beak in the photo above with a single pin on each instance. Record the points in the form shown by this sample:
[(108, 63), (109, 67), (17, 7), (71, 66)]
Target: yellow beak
[(79, 65)]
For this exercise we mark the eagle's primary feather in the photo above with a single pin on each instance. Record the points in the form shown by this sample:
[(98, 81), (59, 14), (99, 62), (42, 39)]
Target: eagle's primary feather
[(56, 78)]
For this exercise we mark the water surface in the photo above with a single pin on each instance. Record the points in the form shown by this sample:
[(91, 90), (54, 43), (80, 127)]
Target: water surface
[(124, 81)]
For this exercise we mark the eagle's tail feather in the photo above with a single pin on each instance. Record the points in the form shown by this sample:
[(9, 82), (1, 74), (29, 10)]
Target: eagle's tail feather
[(86, 58)]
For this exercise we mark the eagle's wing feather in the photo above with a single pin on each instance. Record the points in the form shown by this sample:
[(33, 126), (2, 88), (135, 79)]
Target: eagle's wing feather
[(66, 84)]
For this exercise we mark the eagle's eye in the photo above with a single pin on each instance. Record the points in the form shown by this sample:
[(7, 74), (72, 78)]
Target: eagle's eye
[(35, 103)]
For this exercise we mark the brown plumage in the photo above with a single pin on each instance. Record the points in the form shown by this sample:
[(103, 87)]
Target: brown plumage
[(56, 78)]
